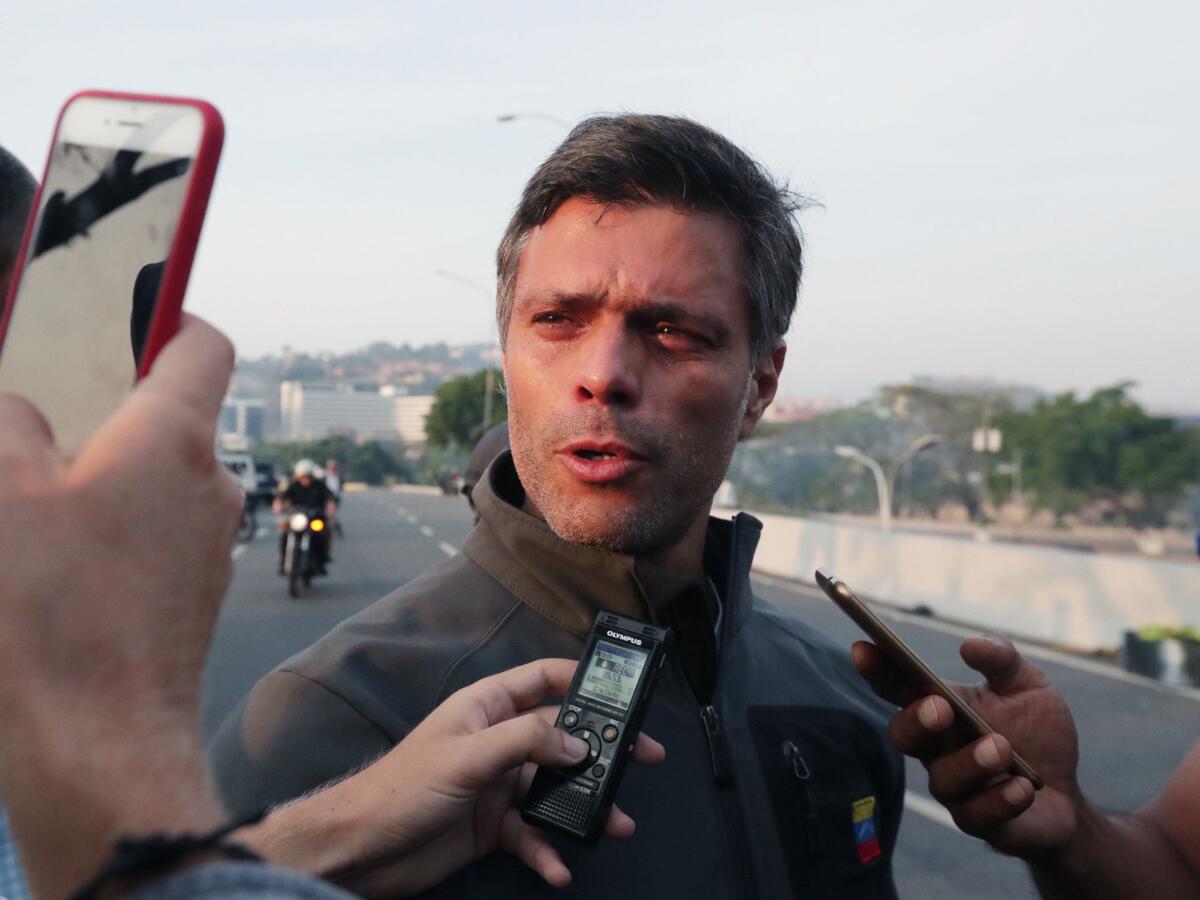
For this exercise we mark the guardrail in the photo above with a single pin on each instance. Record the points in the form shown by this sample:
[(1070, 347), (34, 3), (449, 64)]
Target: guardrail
[(1084, 601)]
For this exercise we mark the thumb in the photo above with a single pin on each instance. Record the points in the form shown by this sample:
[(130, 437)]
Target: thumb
[(527, 738), (997, 660)]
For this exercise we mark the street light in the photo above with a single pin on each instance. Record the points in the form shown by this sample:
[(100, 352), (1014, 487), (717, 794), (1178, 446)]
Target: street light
[(924, 442), (881, 484), (491, 375), (545, 117)]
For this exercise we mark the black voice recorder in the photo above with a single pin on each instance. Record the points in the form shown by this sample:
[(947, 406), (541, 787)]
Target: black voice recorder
[(604, 707)]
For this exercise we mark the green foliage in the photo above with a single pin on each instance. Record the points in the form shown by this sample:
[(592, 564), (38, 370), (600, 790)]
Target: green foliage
[(456, 419), (369, 462), (1104, 449)]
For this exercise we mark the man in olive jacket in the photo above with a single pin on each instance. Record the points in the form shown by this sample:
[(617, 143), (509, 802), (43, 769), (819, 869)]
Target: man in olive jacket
[(645, 284)]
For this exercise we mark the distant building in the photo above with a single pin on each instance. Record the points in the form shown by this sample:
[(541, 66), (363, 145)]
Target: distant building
[(789, 410), (244, 418), (313, 411)]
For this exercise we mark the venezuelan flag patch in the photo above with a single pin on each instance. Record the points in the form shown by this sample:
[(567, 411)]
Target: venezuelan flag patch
[(862, 814)]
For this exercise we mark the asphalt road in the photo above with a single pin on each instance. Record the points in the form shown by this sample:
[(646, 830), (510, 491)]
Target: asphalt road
[(1132, 733)]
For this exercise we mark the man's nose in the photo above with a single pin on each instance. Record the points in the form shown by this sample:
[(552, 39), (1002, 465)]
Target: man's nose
[(610, 367)]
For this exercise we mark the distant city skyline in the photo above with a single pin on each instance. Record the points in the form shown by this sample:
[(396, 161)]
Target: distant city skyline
[(1008, 190)]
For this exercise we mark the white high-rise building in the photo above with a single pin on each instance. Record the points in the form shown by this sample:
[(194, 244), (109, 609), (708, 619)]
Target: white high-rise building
[(314, 411)]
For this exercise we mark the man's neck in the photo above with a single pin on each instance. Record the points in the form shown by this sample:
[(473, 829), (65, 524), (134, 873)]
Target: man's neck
[(685, 556)]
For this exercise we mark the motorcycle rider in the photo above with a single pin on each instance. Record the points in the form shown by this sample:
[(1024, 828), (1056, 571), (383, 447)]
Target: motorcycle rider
[(305, 492)]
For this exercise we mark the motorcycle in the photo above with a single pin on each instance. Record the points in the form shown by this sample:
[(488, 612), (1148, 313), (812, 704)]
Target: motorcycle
[(301, 554)]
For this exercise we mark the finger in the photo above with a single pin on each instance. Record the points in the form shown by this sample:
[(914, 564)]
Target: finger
[(884, 676), (26, 439), (526, 843), (983, 813), (619, 824), (647, 751), (918, 730), (997, 660), (517, 690), (193, 368), (968, 770), (527, 738)]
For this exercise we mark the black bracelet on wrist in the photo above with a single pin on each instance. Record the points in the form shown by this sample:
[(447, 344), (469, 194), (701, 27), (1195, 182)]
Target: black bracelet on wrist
[(136, 857)]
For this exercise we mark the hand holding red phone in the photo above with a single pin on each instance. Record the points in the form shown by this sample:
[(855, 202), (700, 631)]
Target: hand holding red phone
[(969, 774)]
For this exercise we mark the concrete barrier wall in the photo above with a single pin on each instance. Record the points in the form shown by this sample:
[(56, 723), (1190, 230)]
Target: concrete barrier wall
[(1080, 600)]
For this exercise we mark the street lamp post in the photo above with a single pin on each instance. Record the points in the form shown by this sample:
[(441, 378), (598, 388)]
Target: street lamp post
[(922, 443), (881, 483), (490, 387)]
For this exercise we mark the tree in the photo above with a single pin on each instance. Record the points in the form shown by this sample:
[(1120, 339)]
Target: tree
[(369, 462), (1104, 449), (456, 419)]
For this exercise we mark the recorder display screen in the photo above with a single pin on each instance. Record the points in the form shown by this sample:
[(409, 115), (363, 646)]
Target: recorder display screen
[(612, 674)]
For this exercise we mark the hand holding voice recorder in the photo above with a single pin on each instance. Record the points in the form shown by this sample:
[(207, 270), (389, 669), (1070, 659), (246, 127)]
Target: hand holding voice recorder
[(604, 708)]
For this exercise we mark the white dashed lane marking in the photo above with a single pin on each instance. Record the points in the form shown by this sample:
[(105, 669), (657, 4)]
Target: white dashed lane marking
[(930, 809), (448, 549)]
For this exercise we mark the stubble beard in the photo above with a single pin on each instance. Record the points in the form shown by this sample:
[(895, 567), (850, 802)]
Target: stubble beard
[(687, 473)]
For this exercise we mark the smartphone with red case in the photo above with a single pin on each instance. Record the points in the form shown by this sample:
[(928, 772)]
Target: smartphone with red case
[(98, 286)]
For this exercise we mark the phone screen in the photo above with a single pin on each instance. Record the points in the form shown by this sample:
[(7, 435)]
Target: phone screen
[(110, 204)]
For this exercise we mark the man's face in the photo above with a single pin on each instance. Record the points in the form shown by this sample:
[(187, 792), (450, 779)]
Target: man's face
[(305, 480), (628, 368)]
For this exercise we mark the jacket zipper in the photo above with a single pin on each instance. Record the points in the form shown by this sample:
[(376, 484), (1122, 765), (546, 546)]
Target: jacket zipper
[(812, 825), (733, 822)]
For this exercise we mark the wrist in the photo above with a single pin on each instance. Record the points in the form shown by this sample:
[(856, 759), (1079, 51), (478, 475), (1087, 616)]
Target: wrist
[(1078, 852), (323, 835), (72, 791)]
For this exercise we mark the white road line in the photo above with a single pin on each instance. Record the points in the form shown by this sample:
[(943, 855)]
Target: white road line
[(930, 809), (426, 530), (1037, 651), (237, 551), (412, 520), (260, 531), (448, 549)]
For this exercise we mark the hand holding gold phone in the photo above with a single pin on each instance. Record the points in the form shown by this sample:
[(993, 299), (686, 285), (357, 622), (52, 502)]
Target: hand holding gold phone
[(915, 669)]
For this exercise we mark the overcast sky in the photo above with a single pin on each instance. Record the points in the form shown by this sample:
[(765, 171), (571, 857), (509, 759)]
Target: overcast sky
[(1007, 189)]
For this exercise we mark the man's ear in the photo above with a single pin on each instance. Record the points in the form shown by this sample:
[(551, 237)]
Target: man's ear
[(764, 382)]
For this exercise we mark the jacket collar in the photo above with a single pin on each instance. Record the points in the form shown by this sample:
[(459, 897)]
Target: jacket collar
[(569, 583)]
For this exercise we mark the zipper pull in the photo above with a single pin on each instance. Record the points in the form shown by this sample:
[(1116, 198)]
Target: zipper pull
[(718, 747), (800, 769)]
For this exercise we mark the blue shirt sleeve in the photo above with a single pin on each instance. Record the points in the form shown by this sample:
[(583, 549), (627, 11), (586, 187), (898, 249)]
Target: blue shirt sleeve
[(12, 876), (239, 881)]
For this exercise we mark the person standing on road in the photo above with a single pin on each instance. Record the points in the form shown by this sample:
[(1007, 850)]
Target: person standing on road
[(1073, 849), (645, 284)]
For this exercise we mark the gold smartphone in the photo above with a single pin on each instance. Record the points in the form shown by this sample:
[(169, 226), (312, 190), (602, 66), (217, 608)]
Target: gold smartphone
[(914, 668)]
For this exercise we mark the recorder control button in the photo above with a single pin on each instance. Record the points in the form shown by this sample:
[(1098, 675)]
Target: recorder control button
[(610, 733), (598, 771), (593, 743), (570, 719)]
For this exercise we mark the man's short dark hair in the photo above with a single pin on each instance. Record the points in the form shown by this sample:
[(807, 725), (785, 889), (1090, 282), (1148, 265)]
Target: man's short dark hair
[(665, 160), (17, 188)]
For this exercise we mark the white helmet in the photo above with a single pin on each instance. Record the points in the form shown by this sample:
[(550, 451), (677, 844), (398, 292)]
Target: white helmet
[(303, 467), (318, 473)]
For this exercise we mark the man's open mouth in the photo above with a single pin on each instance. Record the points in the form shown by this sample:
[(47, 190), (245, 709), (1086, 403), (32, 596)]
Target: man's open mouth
[(595, 454)]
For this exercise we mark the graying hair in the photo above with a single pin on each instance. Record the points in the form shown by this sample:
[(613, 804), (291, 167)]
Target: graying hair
[(629, 160)]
